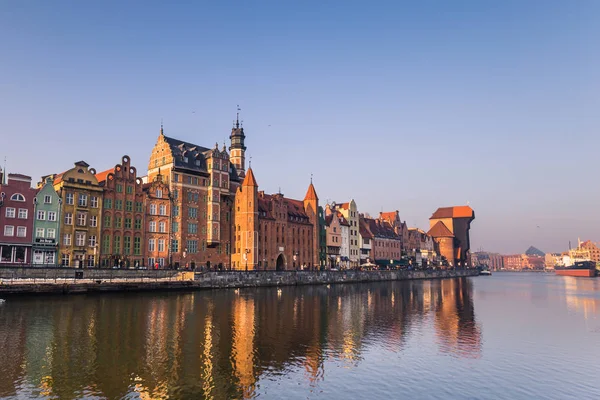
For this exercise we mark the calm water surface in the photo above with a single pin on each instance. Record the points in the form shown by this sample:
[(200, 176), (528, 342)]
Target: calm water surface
[(509, 336)]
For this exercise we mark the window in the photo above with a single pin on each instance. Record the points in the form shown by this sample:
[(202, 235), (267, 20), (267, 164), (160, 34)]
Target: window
[(94, 201), (92, 241), (193, 212), (107, 221), (41, 215), (47, 199), (152, 209), (137, 246), (68, 219), (65, 260), (69, 198), (152, 226), (9, 230), (162, 209), (162, 227), (79, 238), (192, 246), (39, 233), (138, 223), (118, 204), (119, 188), (22, 213), (176, 211), (52, 216), (127, 244), (175, 194), (175, 227), (159, 193), (117, 245), (129, 205), (151, 261), (161, 245), (129, 189), (108, 204), (81, 218), (67, 239), (82, 200), (174, 246), (118, 221), (151, 243), (175, 177), (105, 243), (138, 206), (127, 223), (17, 197), (51, 233), (10, 212), (192, 228), (93, 221)]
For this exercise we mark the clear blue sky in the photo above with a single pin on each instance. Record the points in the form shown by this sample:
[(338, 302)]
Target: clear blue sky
[(399, 105)]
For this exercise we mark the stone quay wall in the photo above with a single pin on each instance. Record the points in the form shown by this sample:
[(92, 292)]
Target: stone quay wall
[(134, 280), (83, 273)]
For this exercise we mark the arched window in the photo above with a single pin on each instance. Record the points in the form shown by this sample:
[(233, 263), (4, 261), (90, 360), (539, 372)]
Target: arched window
[(17, 197)]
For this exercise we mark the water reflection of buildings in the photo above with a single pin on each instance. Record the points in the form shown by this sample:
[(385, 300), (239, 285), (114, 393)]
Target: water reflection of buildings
[(192, 345), (582, 295)]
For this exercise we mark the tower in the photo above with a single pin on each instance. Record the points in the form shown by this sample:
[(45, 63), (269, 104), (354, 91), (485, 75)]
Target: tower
[(237, 149), (246, 224), (311, 207)]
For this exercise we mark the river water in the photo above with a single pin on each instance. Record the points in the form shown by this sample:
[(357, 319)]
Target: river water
[(508, 336)]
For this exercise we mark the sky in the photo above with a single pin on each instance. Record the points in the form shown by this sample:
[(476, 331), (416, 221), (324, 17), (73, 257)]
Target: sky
[(405, 106)]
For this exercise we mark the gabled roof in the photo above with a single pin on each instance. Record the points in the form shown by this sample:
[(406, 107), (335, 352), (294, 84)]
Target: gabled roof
[(311, 193), (250, 180), (453, 212), (440, 230), (343, 220)]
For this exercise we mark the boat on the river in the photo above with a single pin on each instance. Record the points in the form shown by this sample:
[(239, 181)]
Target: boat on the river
[(580, 268), (485, 272)]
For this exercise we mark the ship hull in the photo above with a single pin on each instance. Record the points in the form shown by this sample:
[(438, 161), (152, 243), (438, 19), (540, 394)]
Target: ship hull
[(588, 273)]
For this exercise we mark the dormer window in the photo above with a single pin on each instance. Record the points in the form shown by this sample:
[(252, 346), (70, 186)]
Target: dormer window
[(17, 197), (185, 159), (198, 163)]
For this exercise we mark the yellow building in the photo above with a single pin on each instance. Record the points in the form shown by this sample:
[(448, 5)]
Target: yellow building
[(81, 198)]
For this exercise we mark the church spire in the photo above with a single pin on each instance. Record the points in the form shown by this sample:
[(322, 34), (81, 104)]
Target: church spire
[(238, 148)]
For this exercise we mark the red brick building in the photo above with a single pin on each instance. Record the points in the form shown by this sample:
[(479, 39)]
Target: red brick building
[(273, 231), (512, 261), (122, 238), (157, 208), (386, 244), (203, 183), (16, 219)]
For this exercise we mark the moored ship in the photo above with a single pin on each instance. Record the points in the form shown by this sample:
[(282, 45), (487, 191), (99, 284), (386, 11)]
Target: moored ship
[(580, 268)]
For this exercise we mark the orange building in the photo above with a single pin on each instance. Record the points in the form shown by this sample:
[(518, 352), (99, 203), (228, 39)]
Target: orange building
[(512, 261), (122, 216), (593, 249), (158, 223), (273, 231), (449, 227), (203, 183)]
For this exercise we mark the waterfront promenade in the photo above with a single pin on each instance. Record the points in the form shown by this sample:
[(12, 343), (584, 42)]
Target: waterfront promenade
[(70, 281)]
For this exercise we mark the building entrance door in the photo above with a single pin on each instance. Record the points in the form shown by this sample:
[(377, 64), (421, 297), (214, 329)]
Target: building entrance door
[(280, 266)]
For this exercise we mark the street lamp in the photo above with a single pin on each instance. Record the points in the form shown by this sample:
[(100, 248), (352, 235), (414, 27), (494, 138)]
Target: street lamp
[(295, 258), (184, 254), (246, 257)]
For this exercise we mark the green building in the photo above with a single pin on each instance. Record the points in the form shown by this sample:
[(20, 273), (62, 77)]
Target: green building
[(322, 240), (46, 224)]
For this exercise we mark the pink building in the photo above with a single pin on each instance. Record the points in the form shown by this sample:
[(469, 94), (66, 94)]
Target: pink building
[(16, 219)]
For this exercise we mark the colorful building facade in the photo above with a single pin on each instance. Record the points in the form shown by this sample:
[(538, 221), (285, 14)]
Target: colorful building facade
[(81, 197), (159, 242), (46, 224), (122, 243), (449, 227), (16, 219)]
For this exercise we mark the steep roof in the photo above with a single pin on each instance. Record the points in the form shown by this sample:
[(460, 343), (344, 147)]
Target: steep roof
[(440, 230), (453, 212), (343, 220), (311, 193), (193, 152), (364, 229), (101, 176), (250, 180)]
